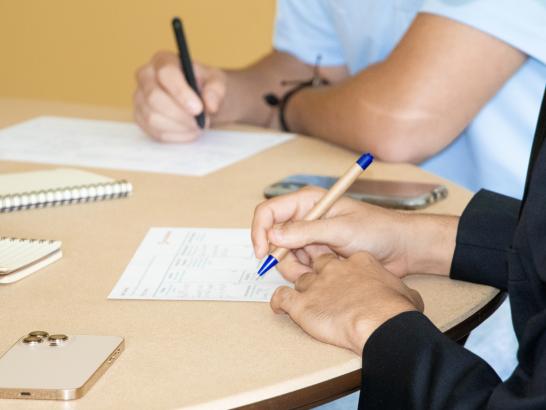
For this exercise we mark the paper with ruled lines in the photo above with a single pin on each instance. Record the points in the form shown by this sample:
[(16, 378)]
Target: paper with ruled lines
[(196, 264), (122, 145)]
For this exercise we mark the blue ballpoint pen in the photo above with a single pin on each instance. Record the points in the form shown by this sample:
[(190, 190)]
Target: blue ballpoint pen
[(326, 202)]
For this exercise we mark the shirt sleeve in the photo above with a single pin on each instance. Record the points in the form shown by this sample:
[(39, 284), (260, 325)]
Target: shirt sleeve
[(425, 371), (304, 29), (408, 363), (518, 23), (484, 236)]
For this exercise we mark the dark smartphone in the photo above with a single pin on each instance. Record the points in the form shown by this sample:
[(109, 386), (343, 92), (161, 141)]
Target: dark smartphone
[(390, 194)]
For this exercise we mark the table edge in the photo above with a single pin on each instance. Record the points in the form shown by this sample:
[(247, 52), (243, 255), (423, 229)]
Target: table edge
[(340, 386)]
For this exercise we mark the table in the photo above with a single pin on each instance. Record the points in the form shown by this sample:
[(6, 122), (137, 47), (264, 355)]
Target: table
[(194, 354)]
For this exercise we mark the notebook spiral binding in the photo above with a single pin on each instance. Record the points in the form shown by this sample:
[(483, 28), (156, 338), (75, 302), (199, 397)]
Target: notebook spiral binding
[(26, 240), (65, 196)]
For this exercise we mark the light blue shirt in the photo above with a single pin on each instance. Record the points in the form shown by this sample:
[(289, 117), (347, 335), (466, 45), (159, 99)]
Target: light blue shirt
[(493, 150)]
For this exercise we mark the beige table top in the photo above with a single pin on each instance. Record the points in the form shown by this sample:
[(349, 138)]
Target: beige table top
[(178, 354)]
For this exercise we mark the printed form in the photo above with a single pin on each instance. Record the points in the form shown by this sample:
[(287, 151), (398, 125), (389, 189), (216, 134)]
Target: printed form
[(196, 264), (122, 145)]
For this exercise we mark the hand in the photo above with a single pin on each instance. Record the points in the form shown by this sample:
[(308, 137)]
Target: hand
[(342, 302), (347, 228), (404, 243), (165, 106)]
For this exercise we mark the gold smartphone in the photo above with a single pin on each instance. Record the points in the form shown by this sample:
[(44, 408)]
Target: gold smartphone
[(43, 366), (389, 194)]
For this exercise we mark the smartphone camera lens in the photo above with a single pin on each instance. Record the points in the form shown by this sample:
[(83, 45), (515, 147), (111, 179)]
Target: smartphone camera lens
[(57, 340), (39, 333), (32, 340)]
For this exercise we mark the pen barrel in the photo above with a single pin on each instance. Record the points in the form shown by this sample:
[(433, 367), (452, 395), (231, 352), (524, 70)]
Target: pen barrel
[(279, 253), (334, 193), (186, 64)]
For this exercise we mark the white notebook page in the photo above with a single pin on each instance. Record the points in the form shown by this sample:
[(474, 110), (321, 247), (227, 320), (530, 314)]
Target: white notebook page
[(122, 145)]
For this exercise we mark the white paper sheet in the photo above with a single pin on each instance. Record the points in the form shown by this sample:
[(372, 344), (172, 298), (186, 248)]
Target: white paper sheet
[(121, 145), (196, 264)]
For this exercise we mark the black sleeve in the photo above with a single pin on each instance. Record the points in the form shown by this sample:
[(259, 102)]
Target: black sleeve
[(484, 235), (409, 364)]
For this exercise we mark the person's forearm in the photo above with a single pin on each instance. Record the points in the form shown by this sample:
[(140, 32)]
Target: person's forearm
[(430, 243), (365, 113), (408, 363), (418, 100), (246, 88), (484, 237)]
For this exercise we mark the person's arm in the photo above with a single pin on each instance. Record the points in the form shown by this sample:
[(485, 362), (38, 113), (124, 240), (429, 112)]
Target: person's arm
[(357, 304), (429, 370), (484, 236), (413, 104), (165, 106), (246, 88), (471, 248), (425, 371)]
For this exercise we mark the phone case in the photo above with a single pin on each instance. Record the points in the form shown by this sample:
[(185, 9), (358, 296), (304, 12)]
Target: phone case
[(56, 367), (389, 194)]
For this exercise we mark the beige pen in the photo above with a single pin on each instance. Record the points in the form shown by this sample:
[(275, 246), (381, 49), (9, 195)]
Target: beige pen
[(334, 193)]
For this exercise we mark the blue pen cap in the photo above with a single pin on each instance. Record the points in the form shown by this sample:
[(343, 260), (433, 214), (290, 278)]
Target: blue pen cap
[(365, 160)]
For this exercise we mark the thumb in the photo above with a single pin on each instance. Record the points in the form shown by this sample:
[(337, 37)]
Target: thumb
[(298, 234), (213, 87)]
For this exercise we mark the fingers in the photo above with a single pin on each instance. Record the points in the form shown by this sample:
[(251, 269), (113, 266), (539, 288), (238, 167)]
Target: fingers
[(279, 210), (283, 299), (315, 251), (364, 259), (158, 100), (299, 234), (162, 127), (213, 88), (304, 281), (303, 257), (368, 262), (322, 261), (165, 105), (291, 267), (170, 77)]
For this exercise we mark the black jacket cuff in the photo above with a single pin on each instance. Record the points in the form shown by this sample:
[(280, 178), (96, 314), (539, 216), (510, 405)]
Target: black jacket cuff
[(484, 235), (408, 363)]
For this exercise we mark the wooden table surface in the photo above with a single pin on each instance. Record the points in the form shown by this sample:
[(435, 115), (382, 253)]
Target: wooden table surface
[(181, 353)]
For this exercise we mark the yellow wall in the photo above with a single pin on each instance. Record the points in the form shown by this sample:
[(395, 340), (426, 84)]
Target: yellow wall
[(88, 50)]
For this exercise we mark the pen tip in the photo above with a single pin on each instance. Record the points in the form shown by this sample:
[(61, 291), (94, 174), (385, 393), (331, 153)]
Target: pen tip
[(269, 263)]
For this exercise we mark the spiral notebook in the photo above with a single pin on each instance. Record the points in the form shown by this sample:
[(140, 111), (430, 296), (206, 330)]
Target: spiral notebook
[(60, 186), (21, 257)]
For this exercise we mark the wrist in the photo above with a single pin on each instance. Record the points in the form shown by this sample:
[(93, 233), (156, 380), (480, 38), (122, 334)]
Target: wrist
[(365, 327), (293, 109), (430, 243), (227, 111)]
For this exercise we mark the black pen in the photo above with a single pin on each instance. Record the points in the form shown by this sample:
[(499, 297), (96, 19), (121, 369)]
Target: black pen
[(185, 62)]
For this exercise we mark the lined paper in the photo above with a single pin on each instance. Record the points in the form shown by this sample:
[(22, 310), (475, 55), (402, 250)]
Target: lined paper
[(122, 145)]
